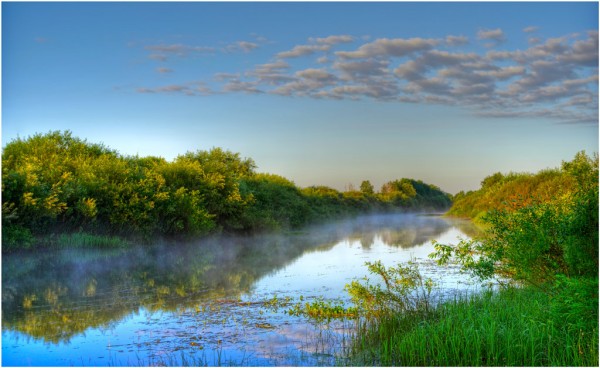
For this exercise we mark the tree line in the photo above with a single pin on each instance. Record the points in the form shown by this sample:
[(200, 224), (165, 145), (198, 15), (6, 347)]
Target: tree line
[(56, 183), (539, 226)]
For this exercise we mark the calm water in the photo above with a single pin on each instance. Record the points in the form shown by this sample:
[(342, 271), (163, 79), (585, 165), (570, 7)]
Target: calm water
[(204, 303)]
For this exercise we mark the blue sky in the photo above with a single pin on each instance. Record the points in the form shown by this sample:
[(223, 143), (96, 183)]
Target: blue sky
[(321, 93)]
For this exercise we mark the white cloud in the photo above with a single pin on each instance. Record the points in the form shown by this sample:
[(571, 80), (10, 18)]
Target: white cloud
[(583, 52), (442, 58), (323, 60), (226, 76), (322, 44), (271, 73), (411, 70), (491, 34), (191, 89), (271, 67), (456, 40), (359, 70), (333, 40), (317, 75), (159, 57), (555, 78), (178, 49), (503, 73), (385, 47), (239, 86), (383, 91), (435, 85), (243, 46), (302, 50)]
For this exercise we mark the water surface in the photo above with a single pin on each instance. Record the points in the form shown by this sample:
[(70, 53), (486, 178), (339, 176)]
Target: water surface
[(203, 303)]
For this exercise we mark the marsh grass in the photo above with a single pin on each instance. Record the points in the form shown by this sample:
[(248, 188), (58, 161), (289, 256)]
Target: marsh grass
[(514, 327), (86, 240)]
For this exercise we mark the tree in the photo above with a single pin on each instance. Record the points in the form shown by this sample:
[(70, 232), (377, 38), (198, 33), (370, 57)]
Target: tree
[(367, 188), (537, 239)]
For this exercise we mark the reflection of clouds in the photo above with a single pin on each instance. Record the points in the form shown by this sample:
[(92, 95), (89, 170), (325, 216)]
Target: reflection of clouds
[(304, 343)]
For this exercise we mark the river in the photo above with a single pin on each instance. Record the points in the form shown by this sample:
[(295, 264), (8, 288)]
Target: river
[(206, 303)]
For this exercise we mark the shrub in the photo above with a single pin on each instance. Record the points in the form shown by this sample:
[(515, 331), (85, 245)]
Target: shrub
[(16, 237)]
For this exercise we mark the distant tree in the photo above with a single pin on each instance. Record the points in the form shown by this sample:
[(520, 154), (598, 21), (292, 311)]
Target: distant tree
[(367, 188), (491, 180)]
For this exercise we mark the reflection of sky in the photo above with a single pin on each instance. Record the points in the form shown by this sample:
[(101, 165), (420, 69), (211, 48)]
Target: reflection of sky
[(326, 273), (146, 337)]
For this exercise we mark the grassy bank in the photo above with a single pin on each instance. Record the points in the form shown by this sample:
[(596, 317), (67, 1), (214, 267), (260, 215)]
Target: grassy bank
[(515, 327), (541, 233)]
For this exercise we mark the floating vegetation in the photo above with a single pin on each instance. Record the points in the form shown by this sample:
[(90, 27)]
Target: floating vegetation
[(322, 309), (264, 325)]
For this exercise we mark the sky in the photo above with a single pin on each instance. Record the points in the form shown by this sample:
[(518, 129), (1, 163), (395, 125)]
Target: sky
[(320, 93)]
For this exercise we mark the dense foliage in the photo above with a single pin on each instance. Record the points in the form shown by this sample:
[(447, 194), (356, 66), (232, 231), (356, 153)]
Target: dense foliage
[(514, 190), (542, 234), (55, 183), (533, 238)]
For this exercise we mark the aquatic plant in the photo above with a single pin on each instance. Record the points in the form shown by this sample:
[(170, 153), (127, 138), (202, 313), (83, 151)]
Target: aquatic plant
[(323, 310), (404, 290)]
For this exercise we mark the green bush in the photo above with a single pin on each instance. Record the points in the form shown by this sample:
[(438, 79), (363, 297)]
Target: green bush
[(276, 203), (16, 237), (533, 239), (574, 304), (404, 290)]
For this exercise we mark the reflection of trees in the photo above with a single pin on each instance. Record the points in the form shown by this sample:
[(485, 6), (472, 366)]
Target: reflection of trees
[(402, 231), (56, 295), (467, 227)]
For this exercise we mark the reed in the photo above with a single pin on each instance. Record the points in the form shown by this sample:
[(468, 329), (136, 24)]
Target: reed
[(86, 240), (515, 327)]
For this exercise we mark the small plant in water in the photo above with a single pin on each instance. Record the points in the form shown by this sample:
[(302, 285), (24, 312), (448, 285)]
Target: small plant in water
[(322, 309), (404, 289)]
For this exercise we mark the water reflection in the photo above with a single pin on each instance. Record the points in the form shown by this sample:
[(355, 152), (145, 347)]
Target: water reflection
[(54, 296)]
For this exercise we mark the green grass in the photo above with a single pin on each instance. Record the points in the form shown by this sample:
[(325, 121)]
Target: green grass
[(86, 240), (515, 327)]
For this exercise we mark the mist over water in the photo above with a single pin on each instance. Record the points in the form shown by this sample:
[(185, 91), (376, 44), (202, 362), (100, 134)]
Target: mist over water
[(203, 302)]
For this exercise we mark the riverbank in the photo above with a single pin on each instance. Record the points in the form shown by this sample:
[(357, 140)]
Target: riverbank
[(541, 234), (513, 327), (55, 185)]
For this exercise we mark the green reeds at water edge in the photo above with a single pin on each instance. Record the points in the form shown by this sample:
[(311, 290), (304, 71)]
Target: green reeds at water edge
[(514, 327), (85, 240)]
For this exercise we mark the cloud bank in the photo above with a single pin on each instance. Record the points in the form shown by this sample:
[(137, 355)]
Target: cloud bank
[(556, 78)]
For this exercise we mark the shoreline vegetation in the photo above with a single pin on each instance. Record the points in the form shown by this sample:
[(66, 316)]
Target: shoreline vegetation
[(61, 191), (540, 234)]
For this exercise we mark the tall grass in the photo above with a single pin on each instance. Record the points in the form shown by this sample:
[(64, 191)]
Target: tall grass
[(515, 327), (86, 240)]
